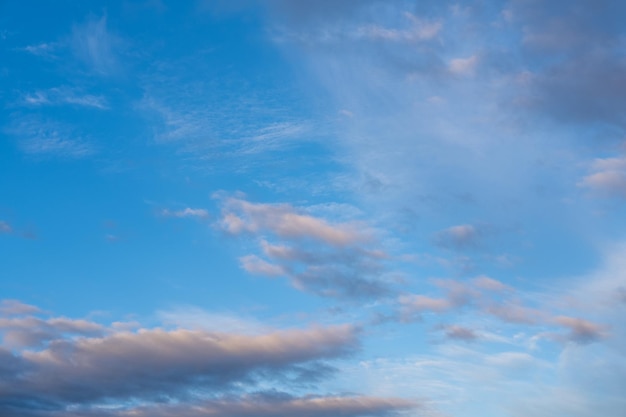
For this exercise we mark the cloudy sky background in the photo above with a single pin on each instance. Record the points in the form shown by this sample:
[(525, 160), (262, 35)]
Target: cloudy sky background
[(283, 207)]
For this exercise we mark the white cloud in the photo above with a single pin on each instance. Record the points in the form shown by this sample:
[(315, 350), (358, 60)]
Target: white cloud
[(608, 177), (186, 212), (286, 222), (257, 266), (96, 46), (49, 138), (463, 66), (64, 95)]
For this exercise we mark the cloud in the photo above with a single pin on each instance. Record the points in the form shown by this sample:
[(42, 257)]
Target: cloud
[(463, 66), (608, 177), (464, 236), (46, 49), (257, 266), (578, 46), (39, 137), (283, 405), (16, 308), (83, 364), (337, 272), (33, 331), (286, 222), (61, 96), (259, 404), (187, 212), (419, 303), (580, 330), (461, 333), (512, 312), (338, 260), (5, 228), (485, 283), (457, 295), (96, 46)]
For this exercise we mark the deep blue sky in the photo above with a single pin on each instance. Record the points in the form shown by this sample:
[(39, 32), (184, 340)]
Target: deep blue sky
[(285, 207)]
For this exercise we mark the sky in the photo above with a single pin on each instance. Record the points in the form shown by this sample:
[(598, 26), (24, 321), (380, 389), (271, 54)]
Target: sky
[(268, 208)]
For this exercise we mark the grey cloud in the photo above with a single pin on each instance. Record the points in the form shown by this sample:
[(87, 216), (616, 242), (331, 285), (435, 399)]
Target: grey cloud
[(456, 332), (336, 272), (260, 405), (580, 330), (83, 364), (179, 372), (579, 44)]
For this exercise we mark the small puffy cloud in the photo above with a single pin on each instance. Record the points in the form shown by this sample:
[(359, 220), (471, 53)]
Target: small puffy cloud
[(286, 222), (187, 212), (457, 294), (257, 266), (580, 330), (420, 303), (512, 312), (456, 332), (464, 236), (607, 177), (463, 66), (489, 284)]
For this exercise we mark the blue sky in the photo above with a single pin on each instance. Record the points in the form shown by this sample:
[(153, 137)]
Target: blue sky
[(283, 207)]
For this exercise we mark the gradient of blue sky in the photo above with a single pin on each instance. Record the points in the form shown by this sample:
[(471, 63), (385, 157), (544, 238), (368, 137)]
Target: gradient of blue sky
[(285, 207)]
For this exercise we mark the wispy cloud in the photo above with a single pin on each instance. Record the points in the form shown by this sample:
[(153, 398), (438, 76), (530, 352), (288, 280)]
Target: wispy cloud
[(95, 45), (45, 50), (41, 137), (63, 95)]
